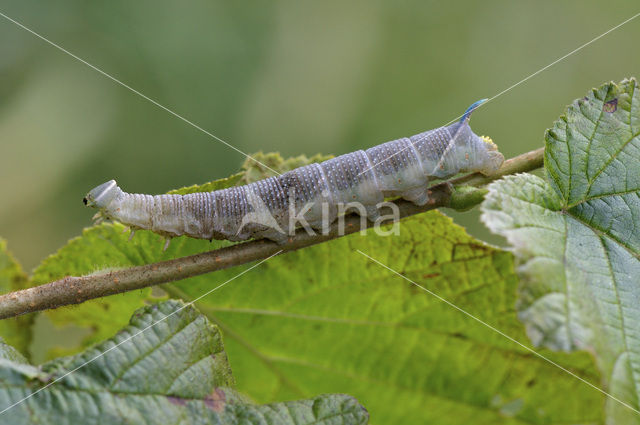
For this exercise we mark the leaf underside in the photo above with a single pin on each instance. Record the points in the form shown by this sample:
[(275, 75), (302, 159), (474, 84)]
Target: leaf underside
[(577, 241), (174, 372)]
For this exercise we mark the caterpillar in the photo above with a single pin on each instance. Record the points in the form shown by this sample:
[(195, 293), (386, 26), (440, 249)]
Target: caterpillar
[(314, 194)]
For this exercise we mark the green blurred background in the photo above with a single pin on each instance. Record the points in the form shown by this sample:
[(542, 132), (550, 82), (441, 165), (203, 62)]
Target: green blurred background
[(295, 77)]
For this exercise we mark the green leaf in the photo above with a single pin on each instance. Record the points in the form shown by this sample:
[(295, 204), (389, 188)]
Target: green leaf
[(16, 330), (211, 186), (326, 319), (577, 239), (167, 367)]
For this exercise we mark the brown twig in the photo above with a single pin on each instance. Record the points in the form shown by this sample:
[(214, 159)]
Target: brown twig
[(75, 290)]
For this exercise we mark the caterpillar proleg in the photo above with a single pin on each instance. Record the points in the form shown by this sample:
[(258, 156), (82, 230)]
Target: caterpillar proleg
[(274, 207)]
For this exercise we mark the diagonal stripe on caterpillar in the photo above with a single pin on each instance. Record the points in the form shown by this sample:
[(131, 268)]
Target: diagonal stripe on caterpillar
[(310, 196)]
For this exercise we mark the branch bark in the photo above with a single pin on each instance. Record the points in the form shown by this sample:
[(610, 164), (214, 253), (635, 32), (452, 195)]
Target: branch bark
[(75, 290)]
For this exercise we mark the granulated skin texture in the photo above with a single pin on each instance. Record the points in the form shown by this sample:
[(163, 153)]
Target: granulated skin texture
[(263, 209)]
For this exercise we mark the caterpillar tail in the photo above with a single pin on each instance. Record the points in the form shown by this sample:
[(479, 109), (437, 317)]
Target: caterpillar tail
[(475, 105)]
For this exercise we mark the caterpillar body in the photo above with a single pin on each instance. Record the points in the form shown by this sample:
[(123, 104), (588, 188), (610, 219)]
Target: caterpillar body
[(274, 207)]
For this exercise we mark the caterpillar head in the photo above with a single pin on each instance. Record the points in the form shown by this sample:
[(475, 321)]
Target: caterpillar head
[(101, 197)]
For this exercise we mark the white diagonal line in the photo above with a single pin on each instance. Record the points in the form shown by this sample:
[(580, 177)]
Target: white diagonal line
[(135, 334), (531, 350), (521, 81), (114, 79), (562, 58)]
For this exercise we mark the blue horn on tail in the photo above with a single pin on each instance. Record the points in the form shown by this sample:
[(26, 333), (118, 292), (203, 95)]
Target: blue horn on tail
[(471, 108)]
